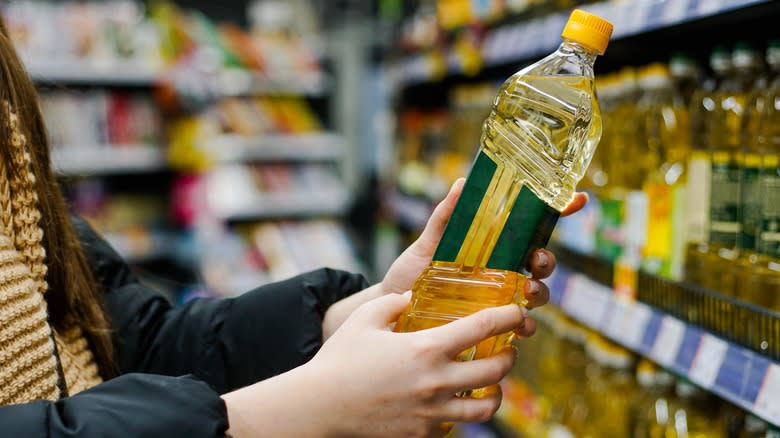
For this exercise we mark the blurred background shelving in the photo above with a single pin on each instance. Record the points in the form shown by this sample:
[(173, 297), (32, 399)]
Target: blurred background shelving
[(219, 146)]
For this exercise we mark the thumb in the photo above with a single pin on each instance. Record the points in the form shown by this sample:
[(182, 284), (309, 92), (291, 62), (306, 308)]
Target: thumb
[(382, 311), (431, 235)]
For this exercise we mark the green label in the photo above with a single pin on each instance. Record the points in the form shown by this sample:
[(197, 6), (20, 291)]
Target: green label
[(724, 204), (528, 228), (769, 232), (609, 237), (750, 207), (468, 204)]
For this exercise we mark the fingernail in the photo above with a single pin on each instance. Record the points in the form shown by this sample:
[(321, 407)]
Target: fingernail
[(532, 287), (541, 259)]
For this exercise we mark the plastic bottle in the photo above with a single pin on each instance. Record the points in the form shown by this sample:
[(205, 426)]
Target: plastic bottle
[(762, 284), (653, 410), (666, 128), (699, 166), (622, 141), (536, 145), (695, 414), (728, 162)]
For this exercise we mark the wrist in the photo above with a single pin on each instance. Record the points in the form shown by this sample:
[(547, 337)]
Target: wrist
[(275, 407)]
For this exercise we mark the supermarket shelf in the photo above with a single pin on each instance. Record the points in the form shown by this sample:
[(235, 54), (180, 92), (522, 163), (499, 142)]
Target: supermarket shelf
[(126, 73), (515, 43), (733, 372), (143, 246), (108, 159), (300, 147), (322, 202), (239, 82)]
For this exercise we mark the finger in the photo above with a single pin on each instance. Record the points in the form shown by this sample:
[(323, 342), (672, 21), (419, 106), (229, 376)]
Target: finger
[(576, 204), (471, 409), (526, 330), (469, 331), (537, 294), (463, 376), (382, 311), (542, 263), (441, 214)]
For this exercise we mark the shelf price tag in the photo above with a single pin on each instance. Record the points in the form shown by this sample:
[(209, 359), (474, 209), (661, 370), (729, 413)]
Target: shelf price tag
[(709, 358), (675, 11), (768, 401), (586, 300), (668, 342), (637, 318), (707, 7)]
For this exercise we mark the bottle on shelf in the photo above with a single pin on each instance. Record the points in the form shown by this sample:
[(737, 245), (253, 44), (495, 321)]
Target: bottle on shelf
[(702, 114), (536, 145), (666, 129), (652, 410), (620, 180), (695, 414), (759, 271), (610, 389), (731, 101)]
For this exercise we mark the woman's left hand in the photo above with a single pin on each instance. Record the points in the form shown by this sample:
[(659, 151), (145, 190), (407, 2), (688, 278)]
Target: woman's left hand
[(408, 266)]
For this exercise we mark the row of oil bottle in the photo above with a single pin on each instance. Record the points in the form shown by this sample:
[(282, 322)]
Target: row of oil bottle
[(687, 174), (572, 382)]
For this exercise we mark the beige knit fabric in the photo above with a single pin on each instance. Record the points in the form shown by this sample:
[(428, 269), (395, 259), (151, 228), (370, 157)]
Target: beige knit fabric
[(28, 359)]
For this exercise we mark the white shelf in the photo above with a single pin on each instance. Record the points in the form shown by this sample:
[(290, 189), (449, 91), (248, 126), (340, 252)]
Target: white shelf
[(139, 249), (239, 82), (322, 202), (127, 72), (729, 370), (514, 43), (107, 159), (303, 147)]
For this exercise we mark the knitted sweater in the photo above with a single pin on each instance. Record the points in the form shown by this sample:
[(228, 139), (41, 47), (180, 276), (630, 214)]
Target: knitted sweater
[(31, 366)]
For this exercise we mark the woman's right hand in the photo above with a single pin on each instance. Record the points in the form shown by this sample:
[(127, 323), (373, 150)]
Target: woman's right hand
[(367, 381)]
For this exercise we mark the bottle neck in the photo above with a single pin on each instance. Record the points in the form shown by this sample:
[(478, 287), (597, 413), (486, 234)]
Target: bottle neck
[(583, 53)]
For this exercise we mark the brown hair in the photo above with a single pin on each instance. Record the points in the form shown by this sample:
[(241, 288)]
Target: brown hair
[(73, 296)]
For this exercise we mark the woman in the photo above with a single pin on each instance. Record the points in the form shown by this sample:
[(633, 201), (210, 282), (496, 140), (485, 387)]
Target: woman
[(87, 351)]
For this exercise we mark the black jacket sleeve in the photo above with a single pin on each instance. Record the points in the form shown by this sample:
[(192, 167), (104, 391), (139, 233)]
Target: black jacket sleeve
[(133, 405), (228, 343)]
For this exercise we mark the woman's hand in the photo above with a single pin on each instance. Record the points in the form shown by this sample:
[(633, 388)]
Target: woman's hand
[(368, 381), (408, 266)]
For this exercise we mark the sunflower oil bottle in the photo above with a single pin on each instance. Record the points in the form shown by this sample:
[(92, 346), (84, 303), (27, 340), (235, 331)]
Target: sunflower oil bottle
[(686, 76), (702, 115), (652, 413), (623, 141), (760, 269), (695, 414), (536, 145), (610, 389), (731, 102), (665, 118)]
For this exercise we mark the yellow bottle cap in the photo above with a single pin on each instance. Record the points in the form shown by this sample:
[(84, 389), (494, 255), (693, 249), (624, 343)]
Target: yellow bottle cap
[(589, 30)]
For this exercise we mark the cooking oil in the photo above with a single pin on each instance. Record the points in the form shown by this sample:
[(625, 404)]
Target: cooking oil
[(536, 144), (759, 269), (622, 141), (652, 412), (695, 414), (666, 128), (703, 108), (727, 163)]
